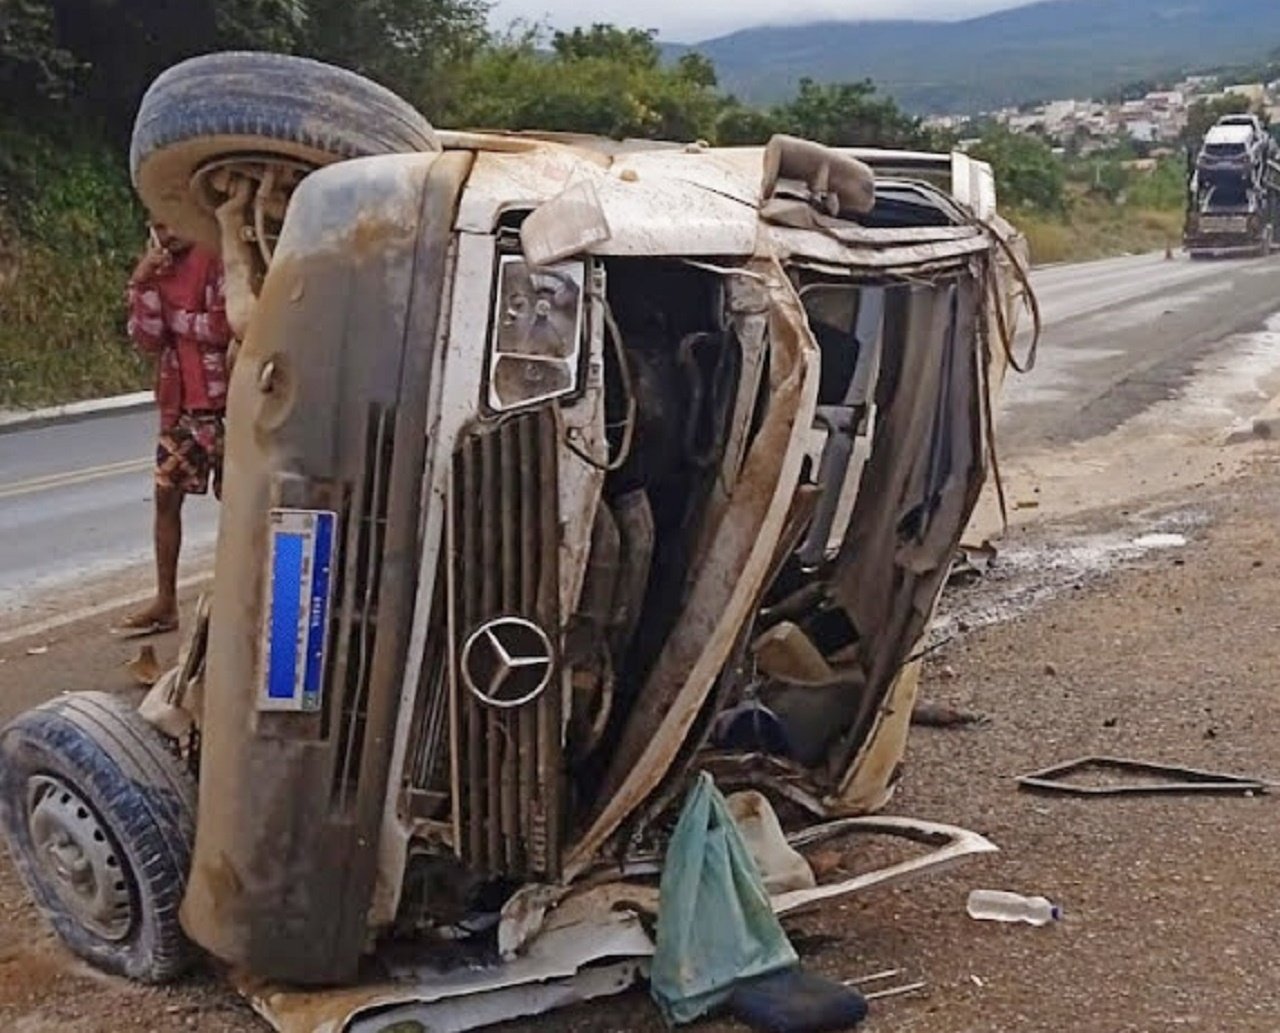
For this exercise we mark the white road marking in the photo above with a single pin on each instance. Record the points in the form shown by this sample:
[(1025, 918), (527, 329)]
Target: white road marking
[(70, 477)]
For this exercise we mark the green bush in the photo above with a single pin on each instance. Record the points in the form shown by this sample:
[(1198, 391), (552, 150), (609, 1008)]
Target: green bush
[(1164, 189), (1028, 173), (70, 231)]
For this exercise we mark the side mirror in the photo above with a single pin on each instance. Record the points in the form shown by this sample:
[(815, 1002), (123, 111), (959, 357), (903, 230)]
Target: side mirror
[(569, 224)]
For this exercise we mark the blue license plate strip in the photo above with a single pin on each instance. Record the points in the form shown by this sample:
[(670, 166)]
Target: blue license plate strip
[(296, 625)]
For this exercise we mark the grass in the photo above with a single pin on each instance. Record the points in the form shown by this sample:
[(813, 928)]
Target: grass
[(70, 231), (1098, 229)]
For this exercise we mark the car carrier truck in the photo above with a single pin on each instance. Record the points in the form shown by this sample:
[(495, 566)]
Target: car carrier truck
[(1233, 190)]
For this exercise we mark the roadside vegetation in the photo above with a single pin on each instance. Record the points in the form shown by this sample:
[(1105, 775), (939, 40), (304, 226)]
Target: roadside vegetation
[(1073, 208), (70, 231), (71, 76)]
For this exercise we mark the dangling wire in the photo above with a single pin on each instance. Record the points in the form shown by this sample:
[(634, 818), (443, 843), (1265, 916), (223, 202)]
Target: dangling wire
[(628, 390)]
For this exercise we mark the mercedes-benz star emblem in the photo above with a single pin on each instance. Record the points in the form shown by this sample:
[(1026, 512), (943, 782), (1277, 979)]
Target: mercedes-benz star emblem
[(507, 662)]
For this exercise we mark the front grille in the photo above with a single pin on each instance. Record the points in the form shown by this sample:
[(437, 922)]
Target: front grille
[(426, 779), (354, 624), (504, 534), (1224, 223)]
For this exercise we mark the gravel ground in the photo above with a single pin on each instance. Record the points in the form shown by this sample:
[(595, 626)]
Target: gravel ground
[(1169, 924)]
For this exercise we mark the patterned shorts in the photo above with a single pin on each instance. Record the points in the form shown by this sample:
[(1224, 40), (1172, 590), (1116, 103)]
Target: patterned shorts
[(190, 453)]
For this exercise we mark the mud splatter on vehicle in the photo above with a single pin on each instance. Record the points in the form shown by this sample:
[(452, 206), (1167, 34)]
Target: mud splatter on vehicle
[(558, 471)]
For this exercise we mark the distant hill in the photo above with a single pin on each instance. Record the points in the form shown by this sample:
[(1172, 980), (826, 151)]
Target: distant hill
[(1058, 48)]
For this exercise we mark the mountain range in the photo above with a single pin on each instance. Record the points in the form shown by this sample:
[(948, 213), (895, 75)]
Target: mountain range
[(1052, 49)]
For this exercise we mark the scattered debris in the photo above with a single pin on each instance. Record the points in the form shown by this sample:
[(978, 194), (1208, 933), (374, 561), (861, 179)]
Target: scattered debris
[(1002, 906), (877, 977), (144, 667), (943, 715), (1264, 428), (1161, 541), (972, 563), (947, 844), (1035, 570), (782, 868), (1180, 780), (897, 991), (570, 962)]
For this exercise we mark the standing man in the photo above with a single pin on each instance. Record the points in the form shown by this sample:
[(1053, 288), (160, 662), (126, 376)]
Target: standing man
[(177, 315)]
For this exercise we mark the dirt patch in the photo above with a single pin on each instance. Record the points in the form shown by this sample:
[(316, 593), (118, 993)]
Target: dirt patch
[(1168, 655)]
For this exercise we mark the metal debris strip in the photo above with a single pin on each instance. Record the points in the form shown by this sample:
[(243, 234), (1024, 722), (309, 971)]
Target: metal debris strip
[(877, 977), (896, 991), (880, 977), (1181, 780), (972, 563)]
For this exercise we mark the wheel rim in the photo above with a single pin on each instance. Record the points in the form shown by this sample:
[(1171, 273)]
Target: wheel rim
[(276, 178), (78, 859)]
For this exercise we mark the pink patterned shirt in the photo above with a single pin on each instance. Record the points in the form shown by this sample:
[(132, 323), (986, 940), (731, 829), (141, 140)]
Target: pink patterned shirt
[(180, 317)]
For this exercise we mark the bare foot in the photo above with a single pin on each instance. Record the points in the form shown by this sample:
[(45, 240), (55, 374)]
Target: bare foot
[(156, 618)]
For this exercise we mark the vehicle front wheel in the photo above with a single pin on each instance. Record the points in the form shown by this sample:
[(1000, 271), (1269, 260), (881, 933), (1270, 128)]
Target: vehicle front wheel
[(290, 113), (100, 820)]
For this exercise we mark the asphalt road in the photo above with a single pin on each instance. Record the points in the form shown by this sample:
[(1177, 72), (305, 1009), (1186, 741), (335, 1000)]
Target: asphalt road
[(75, 506), (1122, 335)]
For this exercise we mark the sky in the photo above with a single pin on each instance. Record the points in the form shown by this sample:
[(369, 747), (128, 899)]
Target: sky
[(687, 21)]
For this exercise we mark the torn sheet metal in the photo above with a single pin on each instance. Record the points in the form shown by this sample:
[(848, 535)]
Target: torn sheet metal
[(951, 845), (1178, 780), (734, 575), (525, 914), (517, 1002), (570, 961), (716, 192), (565, 946)]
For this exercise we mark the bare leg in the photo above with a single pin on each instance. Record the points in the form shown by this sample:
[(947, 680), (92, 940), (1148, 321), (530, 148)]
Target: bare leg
[(168, 546), (163, 612)]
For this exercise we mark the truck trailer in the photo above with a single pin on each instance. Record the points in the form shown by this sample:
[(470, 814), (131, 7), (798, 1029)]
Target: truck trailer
[(1233, 190)]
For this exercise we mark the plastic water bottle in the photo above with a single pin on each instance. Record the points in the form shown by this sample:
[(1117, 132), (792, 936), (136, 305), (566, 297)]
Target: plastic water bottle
[(999, 906)]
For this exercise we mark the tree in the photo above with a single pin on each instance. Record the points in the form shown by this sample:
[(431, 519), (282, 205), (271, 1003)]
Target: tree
[(414, 47), (737, 125), (847, 115), (100, 56), (1026, 170), (601, 80), (698, 69), (119, 46), (32, 64), (632, 48)]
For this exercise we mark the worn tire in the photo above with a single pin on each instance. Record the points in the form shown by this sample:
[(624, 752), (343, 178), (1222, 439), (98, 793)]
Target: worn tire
[(247, 103), (141, 801)]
